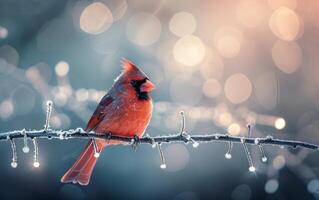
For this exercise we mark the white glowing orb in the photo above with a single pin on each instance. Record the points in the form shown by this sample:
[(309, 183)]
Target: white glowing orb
[(189, 50), (96, 18), (25, 149), (14, 164), (182, 23), (96, 155), (62, 68), (36, 164), (252, 169), (163, 166), (143, 29), (280, 123), (228, 156), (264, 159)]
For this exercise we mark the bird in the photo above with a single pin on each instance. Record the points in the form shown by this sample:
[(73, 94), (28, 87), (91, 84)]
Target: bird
[(125, 110)]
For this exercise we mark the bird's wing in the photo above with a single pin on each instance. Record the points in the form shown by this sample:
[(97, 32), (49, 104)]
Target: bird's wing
[(99, 113)]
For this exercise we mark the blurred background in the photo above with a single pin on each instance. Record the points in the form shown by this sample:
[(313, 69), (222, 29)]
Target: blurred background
[(226, 63)]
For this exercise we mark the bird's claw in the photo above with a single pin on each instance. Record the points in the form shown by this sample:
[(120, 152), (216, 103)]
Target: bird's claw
[(135, 142)]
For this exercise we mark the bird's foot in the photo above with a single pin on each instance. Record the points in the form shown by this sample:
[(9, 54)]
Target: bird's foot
[(135, 142)]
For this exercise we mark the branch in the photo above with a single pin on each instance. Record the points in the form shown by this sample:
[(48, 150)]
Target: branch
[(81, 134), (156, 141)]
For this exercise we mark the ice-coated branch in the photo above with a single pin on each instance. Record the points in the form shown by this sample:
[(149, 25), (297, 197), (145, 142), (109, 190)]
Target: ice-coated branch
[(155, 141), (200, 138)]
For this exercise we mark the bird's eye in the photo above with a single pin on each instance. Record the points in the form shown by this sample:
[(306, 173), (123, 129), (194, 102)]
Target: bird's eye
[(134, 83)]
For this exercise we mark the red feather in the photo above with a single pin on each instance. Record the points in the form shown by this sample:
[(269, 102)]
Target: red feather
[(120, 112)]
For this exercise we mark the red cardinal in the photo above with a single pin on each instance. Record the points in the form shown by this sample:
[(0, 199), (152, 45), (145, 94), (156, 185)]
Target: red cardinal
[(125, 110)]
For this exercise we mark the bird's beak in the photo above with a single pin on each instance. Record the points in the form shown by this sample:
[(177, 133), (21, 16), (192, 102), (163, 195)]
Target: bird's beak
[(147, 86)]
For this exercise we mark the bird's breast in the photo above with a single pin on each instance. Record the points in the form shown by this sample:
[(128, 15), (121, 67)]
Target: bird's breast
[(127, 117)]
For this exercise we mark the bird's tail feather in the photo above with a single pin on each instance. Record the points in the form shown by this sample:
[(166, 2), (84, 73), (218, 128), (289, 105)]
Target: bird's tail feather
[(81, 170)]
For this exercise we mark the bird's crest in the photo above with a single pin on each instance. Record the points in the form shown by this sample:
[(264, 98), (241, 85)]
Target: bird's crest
[(127, 65)]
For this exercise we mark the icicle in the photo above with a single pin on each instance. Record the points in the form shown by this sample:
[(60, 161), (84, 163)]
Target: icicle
[(183, 132), (182, 122), (250, 162), (228, 154), (14, 162), (163, 165), (48, 116), (96, 151), (36, 163), (263, 154), (25, 148)]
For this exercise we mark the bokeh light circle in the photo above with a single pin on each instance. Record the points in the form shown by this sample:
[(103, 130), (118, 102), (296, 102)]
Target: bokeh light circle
[(271, 186), (228, 41), (182, 23), (176, 157), (189, 50), (96, 18), (143, 29), (238, 88), (285, 24), (287, 56), (62, 68)]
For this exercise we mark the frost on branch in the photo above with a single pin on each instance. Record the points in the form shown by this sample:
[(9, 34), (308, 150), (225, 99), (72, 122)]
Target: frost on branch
[(156, 141)]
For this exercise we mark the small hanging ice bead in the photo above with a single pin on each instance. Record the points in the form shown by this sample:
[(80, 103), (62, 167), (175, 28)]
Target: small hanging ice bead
[(228, 156), (252, 169), (61, 136), (195, 144), (163, 166), (242, 140), (14, 164), (36, 164), (25, 149), (154, 145), (96, 154), (264, 159)]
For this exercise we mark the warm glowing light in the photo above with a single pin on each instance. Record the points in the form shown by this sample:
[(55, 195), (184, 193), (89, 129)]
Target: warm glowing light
[(82, 94), (251, 13), (287, 56), (228, 41), (96, 18), (189, 50), (225, 118), (234, 129), (285, 24), (238, 88), (182, 23), (280, 123), (62, 68), (143, 29), (279, 162), (3, 32), (6, 109), (211, 88)]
